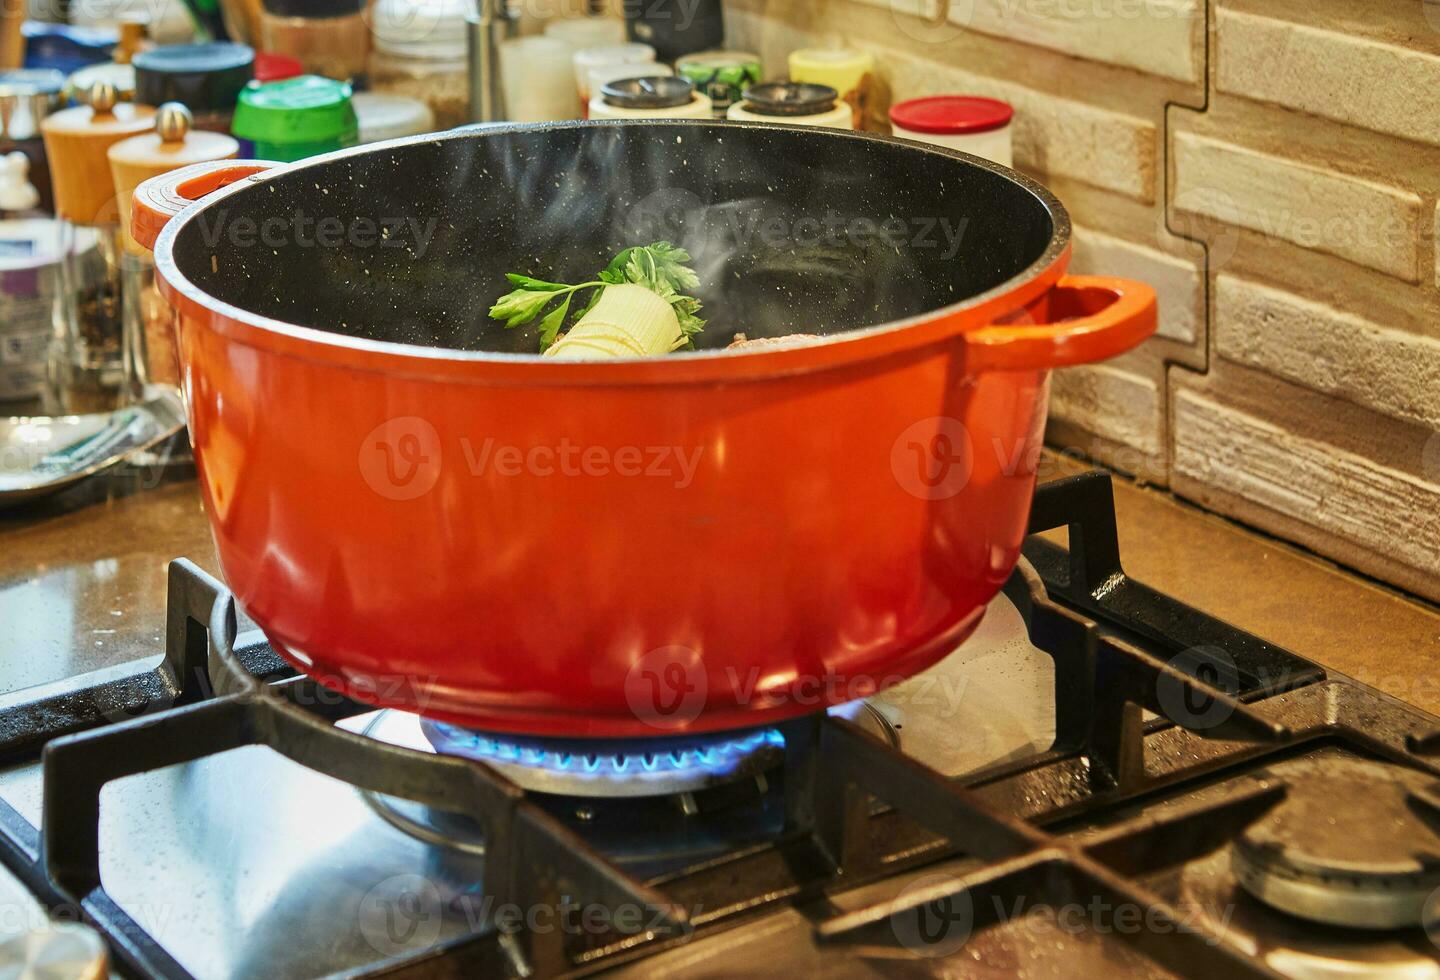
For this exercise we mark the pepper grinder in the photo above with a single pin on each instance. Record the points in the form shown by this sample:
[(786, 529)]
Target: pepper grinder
[(149, 337), (87, 361)]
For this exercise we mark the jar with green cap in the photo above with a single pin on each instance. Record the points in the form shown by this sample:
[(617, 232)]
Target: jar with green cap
[(722, 75), (294, 119)]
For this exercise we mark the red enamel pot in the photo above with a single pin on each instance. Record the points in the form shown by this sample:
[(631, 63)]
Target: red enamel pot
[(421, 512)]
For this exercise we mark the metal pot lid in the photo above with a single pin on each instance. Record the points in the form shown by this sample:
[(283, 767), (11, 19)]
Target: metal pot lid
[(790, 98), (650, 92)]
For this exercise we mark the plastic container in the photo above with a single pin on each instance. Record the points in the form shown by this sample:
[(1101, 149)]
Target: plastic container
[(798, 103), (605, 74), (537, 80), (420, 52), (66, 48), (849, 72), (968, 123), (383, 116), (329, 37), (207, 79), (587, 32), (721, 75), (587, 59), (295, 119), (653, 97)]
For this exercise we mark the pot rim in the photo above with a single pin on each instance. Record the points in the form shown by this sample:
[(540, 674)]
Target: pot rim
[(860, 344)]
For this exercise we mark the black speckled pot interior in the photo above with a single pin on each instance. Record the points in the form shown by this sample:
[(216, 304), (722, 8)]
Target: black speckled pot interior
[(792, 230)]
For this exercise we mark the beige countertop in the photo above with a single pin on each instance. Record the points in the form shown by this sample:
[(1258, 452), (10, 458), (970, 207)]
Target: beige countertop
[(82, 584)]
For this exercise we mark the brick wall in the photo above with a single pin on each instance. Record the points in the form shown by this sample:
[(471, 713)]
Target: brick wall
[(1273, 168)]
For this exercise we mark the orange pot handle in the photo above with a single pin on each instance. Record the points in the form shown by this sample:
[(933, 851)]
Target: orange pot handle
[(161, 198), (1082, 319)]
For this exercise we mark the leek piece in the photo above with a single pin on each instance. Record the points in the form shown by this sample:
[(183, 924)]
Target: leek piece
[(626, 321)]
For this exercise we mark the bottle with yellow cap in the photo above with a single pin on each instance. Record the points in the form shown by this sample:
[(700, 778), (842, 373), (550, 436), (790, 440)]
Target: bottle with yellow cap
[(87, 362), (149, 341)]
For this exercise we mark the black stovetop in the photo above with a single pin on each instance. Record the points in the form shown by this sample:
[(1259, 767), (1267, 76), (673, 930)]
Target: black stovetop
[(1174, 732)]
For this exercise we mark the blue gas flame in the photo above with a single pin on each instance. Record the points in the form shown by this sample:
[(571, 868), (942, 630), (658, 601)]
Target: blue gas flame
[(717, 758)]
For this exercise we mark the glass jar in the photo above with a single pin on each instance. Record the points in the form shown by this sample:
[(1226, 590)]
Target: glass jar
[(328, 37), (87, 362), (30, 306), (420, 52), (386, 116)]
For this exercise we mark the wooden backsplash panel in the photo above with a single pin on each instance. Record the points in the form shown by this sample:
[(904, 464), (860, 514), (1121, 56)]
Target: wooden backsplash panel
[(1273, 168)]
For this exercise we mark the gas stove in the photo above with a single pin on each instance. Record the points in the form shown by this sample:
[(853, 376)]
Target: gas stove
[(1101, 779)]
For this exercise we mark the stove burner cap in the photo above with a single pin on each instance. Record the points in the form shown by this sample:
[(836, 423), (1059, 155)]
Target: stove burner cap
[(1355, 843), (614, 767), (60, 949)]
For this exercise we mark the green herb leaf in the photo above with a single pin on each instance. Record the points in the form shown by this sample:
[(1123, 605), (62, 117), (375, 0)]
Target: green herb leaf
[(659, 267), (614, 273), (686, 309), (520, 306), (594, 298), (550, 326), (670, 263), (526, 282)]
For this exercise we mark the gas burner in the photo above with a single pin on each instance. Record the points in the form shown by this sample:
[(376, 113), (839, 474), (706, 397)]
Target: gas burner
[(661, 766), (1355, 843), (730, 801)]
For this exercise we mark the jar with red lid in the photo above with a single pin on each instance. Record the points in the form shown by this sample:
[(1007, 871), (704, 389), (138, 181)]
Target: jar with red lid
[(272, 67), (969, 123)]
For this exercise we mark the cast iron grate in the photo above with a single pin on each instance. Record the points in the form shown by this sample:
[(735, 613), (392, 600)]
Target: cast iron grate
[(1218, 697)]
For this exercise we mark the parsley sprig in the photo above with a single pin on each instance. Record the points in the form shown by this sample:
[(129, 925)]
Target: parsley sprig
[(659, 267)]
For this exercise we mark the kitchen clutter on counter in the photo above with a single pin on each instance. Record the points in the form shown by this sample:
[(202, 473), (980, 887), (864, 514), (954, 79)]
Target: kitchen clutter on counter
[(530, 488), (96, 107)]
